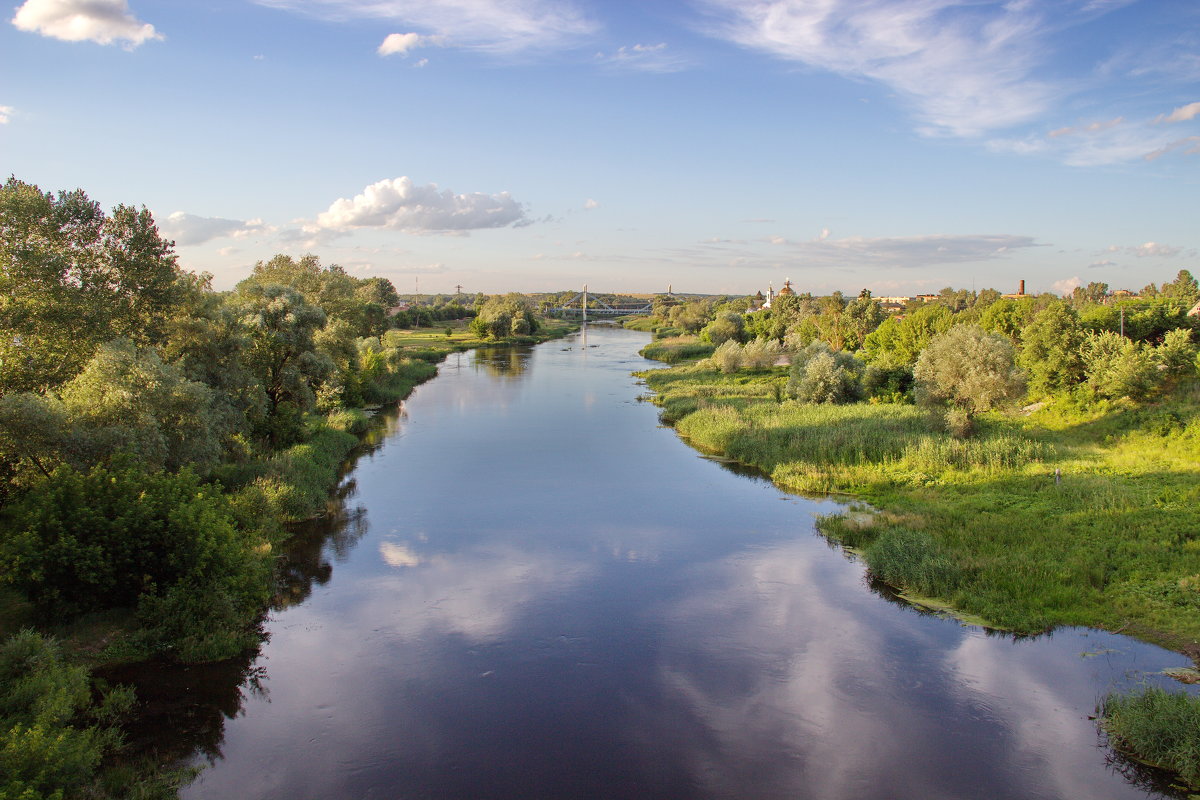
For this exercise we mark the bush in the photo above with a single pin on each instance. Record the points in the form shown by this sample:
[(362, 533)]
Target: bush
[(728, 356), (1118, 367), (118, 538), (50, 744), (820, 375), (970, 368)]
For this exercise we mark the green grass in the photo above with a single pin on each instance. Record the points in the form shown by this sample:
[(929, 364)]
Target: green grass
[(982, 523), (1158, 728), (675, 349)]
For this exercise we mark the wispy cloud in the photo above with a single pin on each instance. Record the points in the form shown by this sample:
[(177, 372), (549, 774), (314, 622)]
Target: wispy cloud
[(825, 252), (498, 26), (1149, 249), (1181, 114), (965, 67), (644, 58), (1113, 141), (399, 204), (190, 229), (100, 21)]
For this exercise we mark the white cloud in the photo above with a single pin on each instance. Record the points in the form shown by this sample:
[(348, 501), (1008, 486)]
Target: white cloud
[(644, 58), (1066, 285), (5, 114), (403, 43), (590, 204), (497, 26), (1189, 144), (190, 229), (100, 21), (1155, 249), (398, 204), (966, 67), (1093, 127), (1104, 263), (1181, 114)]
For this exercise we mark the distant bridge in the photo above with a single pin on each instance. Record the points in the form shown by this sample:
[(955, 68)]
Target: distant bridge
[(579, 305)]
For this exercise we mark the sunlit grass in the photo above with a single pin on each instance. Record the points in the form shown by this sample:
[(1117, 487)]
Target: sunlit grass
[(985, 523)]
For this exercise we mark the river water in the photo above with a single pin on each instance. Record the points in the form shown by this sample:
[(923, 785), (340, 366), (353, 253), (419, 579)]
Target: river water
[(533, 590)]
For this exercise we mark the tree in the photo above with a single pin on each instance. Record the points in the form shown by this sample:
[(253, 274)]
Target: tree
[(282, 353), (822, 375), (510, 315), (70, 278), (900, 341), (723, 328), (1050, 349), (970, 368), (126, 400), (1118, 367)]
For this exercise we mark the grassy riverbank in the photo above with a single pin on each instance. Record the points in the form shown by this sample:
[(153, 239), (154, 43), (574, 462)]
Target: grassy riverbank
[(982, 523)]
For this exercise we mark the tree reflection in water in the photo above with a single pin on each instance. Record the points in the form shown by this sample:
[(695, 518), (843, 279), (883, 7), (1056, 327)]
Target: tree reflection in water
[(503, 362)]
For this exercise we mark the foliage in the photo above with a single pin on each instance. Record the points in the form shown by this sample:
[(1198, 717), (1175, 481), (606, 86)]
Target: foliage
[(73, 277), (1158, 727), (820, 375), (969, 368), (1118, 367), (723, 328), (900, 341), (1050, 351), (501, 317), (120, 537)]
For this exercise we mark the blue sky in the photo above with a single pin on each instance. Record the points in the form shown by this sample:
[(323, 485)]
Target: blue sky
[(714, 145)]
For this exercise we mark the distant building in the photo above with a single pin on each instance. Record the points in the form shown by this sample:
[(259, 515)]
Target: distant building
[(927, 298), (1195, 312), (1020, 292)]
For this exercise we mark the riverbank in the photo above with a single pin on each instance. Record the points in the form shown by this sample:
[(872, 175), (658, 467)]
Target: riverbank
[(1063, 516), (240, 516)]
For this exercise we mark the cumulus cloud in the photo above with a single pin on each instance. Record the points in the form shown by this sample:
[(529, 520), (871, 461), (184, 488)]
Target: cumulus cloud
[(403, 43), (967, 68), (1181, 114), (5, 114), (190, 229), (100, 21), (590, 204), (399, 204), (1067, 285), (498, 26), (644, 58)]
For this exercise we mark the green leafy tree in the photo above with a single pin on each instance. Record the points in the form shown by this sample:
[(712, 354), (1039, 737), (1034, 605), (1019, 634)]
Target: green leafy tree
[(1118, 367), (900, 341), (970, 368), (1050, 349), (71, 278), (282, 352), (725, 327)]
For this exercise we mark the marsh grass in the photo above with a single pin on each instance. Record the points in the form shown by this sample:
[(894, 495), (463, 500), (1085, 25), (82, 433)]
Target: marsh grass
[(982, 523), (675, 349), (1156, 727)]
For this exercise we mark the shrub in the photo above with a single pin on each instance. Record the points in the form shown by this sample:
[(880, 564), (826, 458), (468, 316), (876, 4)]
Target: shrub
[(115, 538), (728, 356), (970, 368), (820, 375), (1118, 367)]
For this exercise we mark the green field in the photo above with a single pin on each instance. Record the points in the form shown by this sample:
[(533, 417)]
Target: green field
[(984, 524)]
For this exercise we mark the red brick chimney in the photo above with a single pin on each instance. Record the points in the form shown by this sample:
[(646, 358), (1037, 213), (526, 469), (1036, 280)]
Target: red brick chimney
[(1022, 289)]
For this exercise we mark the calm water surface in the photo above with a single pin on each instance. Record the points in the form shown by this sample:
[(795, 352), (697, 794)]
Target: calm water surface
[(534, 591)]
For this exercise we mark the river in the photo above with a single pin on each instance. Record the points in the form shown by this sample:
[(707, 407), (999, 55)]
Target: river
[(534, 590)]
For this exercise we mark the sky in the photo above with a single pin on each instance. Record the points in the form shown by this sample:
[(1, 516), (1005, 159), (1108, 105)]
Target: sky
[(715, 146)]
